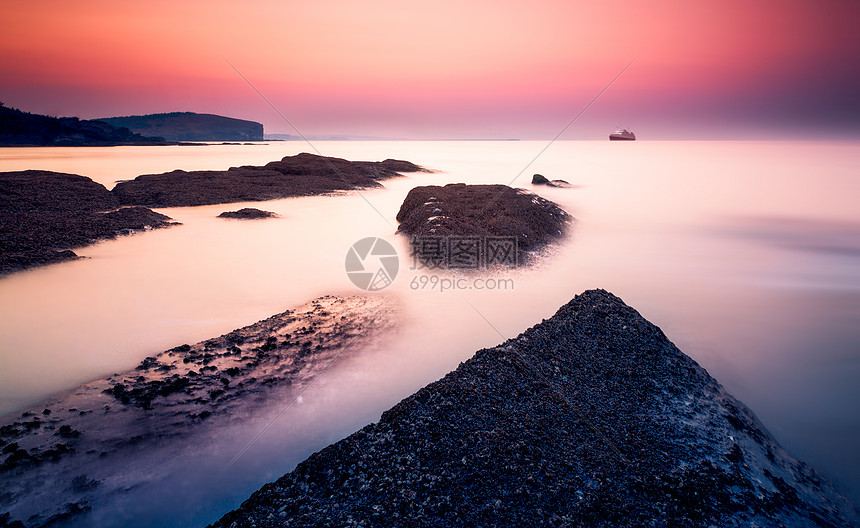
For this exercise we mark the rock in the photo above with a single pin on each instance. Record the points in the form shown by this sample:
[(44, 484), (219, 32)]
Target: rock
[(247, 213), (82, 484), (66, 431), (300, 175), (6, 523), (44, 214), (590, 418), (486, 213), (171, 404), (539, 179)]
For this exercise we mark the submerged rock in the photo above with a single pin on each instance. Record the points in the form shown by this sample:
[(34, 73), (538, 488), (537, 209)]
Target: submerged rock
[(114, 434), (539, 179), (247, 213), (300, 175), (484, 214), (590, 418)]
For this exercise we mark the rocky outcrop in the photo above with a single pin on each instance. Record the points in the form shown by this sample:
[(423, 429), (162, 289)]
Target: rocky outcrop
[(591, 418), (23, 129), (300, 175), (190, 126), (247, 213), (43, 215), (482, 213), (97, 442), (540, 179)]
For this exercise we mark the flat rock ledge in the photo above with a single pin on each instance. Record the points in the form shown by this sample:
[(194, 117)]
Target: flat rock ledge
[(486, 216), (590, 418), (300, 175), (44, 215)]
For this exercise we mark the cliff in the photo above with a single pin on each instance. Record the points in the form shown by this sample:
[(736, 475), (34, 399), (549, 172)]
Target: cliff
[(189, 126), (23, 129), (590, 418)]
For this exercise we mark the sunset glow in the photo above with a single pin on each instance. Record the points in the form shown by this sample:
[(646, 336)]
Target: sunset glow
[(426, 263), (442, 68)]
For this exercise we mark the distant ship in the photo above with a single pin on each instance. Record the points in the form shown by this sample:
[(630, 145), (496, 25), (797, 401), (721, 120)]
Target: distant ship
[(622, 134)]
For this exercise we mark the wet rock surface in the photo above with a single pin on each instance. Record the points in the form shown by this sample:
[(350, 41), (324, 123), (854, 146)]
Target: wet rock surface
[(247, 213), (591, 418), (540, 179), (300, 175), (111, 435), (482, 211), (44, 215)]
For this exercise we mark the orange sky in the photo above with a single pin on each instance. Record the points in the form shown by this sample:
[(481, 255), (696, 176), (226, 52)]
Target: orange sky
[(443, 68)]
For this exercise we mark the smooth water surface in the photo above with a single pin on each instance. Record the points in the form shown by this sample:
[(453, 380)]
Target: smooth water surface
[(747, 254)]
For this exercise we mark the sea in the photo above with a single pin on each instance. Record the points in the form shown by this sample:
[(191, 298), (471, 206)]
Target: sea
[(745, 253)]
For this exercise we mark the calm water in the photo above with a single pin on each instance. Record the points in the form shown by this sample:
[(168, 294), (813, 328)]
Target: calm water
[(747, 254)]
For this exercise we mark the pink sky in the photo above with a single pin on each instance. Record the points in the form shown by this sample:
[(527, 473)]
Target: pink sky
[(443, 68)]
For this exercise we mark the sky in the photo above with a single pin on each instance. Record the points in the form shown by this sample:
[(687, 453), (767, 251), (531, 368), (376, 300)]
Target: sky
[(447, 69)]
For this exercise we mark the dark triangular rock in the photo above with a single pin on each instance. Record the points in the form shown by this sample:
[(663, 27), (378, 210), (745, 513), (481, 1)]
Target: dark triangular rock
[(591, 418)]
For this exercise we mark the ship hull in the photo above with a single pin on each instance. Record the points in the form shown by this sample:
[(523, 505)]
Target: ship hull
[(621, 138)]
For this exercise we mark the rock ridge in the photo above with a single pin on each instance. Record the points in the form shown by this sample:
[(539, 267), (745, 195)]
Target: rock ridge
[(590, 418)]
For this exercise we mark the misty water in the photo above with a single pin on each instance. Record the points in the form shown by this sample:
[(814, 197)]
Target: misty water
[(746, 254)]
